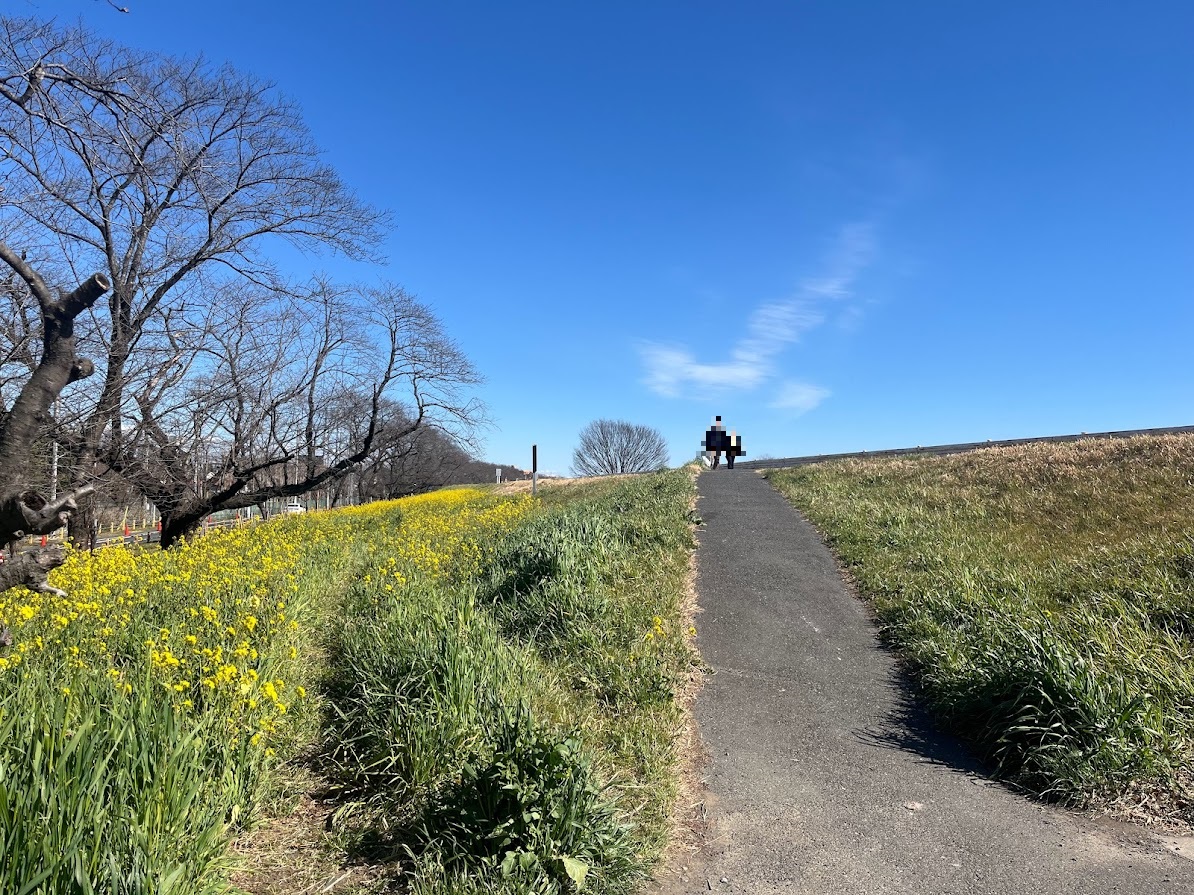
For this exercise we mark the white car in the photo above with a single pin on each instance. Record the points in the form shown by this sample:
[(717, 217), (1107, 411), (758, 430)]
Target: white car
[(294, 507)]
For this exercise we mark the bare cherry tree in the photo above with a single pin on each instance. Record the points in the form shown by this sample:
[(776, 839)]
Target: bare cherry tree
[(173, 177), (282, 392), (609, 447)]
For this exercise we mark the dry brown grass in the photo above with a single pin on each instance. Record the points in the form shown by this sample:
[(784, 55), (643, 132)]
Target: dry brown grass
[(523, 486), (286, 856), (292, 851), (689, 838), (1042, 462)]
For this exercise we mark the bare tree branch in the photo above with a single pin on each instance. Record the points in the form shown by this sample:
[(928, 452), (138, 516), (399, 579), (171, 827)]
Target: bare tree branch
[(291, 390)]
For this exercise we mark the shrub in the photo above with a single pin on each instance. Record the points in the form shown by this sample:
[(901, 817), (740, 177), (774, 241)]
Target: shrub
[(532, 813)]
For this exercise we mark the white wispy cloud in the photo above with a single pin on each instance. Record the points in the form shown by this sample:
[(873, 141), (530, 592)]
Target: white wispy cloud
[(674, 372), (800, 397)]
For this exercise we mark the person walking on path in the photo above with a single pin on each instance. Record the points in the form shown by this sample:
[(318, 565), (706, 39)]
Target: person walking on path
[(716, 441), (733, 448)]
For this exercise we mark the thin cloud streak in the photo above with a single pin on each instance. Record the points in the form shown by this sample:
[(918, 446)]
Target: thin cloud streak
[(800, 397), (673, 371)]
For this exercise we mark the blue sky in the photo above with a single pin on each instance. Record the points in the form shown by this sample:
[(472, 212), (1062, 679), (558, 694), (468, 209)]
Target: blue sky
[(841, 225)]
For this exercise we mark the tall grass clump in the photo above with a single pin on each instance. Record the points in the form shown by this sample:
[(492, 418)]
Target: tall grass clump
[(1043, 595), (500, 715)]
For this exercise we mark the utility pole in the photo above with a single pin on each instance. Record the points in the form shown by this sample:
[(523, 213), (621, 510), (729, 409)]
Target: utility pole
[(534, 470), (54, 460)]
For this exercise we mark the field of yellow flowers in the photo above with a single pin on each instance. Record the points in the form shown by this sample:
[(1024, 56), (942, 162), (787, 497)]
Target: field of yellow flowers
[(139, 711), (437, 652)]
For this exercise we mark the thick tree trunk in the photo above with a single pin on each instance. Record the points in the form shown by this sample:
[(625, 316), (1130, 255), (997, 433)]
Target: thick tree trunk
[(81, 523), (181, 524), (27, 513), (24, 511), (30, 569)]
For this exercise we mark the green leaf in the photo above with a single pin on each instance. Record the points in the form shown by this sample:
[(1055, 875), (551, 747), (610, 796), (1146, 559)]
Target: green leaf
[(576, 869)]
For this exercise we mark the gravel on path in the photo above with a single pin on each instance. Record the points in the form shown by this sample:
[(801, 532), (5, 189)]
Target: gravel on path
[(823, 776)]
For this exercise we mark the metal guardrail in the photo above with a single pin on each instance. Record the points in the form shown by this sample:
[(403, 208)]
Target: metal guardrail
[(141, 533), (941, 450)]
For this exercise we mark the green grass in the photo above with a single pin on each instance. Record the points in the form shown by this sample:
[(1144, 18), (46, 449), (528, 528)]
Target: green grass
[(1043, 597), (513, 730)]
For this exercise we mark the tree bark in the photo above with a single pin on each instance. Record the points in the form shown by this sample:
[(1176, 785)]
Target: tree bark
[(175, 528), (23, 511), (30, 569)]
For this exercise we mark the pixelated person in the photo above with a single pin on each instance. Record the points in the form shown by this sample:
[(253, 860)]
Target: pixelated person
[(716, 440), (733, 448)]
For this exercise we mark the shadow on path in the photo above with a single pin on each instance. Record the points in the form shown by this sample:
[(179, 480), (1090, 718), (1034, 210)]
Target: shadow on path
[(910, 728)]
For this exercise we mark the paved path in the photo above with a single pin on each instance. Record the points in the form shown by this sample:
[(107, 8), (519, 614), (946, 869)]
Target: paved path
[(823, 778)]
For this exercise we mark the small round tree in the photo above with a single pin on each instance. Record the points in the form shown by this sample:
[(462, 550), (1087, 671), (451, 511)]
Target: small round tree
[(609, 447)]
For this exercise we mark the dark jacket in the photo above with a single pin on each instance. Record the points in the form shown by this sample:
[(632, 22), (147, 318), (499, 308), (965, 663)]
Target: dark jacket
[(717, 440)]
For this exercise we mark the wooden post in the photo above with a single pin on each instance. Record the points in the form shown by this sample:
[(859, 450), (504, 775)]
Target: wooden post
[(534, 470)]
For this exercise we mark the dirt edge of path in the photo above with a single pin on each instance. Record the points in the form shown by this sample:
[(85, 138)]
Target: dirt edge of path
[(685, 858)]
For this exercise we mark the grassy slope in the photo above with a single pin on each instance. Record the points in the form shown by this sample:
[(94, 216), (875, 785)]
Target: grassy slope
[(490, 682), (510, 725), (1044, 596)]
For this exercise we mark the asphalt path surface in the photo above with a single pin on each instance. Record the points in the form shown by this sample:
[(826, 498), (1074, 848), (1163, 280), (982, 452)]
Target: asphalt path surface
[(822, 775)]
